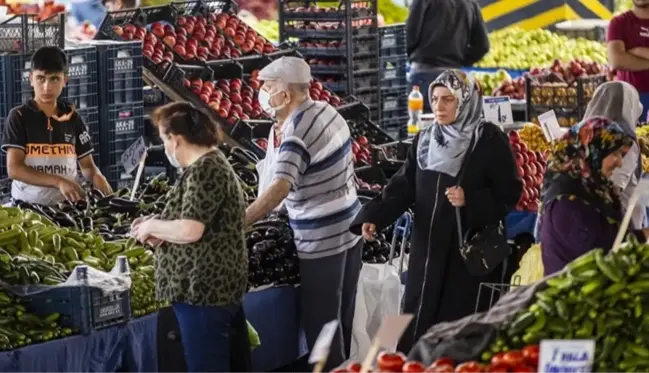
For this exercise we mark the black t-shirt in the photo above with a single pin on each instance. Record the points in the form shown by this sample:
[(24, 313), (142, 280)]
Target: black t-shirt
[(51, 145)]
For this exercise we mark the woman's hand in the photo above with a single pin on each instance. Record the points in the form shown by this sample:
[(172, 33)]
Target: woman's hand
[(455, 196), (141, 230), (153, 241), (368, 230)]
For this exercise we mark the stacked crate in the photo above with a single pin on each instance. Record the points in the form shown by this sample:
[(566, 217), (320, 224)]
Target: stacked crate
[(340, 43), (394, 84), (122, 106)]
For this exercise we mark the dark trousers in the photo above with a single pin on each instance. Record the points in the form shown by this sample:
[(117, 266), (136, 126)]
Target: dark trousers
[(424, 79), (210, 336), (328, 287)]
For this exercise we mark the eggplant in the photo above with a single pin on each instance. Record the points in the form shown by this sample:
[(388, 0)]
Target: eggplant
[(249, 177), (65, 220), (273, 233), (122, 205), (87, 224)]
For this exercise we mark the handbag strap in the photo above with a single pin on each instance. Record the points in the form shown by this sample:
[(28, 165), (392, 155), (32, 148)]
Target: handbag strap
[(460, 177)]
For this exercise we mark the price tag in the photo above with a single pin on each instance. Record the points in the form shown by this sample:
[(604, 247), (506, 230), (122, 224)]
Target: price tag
[(563, 356), (391, 330), (497, 110), (390, 105), (323, 343), (388, 42), (133, 155), (550, 126)]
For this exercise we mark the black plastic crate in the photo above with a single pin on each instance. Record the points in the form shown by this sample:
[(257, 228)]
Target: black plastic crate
[(394, 124), (550, 92), (394, 104), (5, 94), (120, 72), (365, 65), (83, 308), (371, 99), (90, 117), (392, 40), (203, 7), (566, 117), (119, 18), (393, 71), (365, 83), (5, 189), (82, 85), (24, 34), (120, 126), (315, 13)]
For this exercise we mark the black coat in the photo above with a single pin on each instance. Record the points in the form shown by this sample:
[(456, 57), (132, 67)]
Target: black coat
[(436, 271)]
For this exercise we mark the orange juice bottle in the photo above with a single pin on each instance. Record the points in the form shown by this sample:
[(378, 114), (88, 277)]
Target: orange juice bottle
[(415, 109)]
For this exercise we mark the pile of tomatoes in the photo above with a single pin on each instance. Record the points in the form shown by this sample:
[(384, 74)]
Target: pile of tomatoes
[(523, 361)]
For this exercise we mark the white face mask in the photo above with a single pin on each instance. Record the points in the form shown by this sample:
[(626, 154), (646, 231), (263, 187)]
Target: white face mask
[(172, 158), (264, 101)]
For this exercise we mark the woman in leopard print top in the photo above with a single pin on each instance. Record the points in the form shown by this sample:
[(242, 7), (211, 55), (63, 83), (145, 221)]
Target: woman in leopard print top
[(201, 257)]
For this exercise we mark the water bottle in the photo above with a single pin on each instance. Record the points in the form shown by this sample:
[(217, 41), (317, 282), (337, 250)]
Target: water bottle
[(415, 109)]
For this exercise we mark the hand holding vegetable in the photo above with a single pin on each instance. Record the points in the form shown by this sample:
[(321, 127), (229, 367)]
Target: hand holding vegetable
[(142, 231), (70, 190)]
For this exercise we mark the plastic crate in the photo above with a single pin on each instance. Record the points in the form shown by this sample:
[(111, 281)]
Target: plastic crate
[(394, 104), (120, 126), (5, 94), (82, 85), (24, 34), (120, 72), (546, 92), (371, 99), (566, 117), (5, 190), (392, 40), (82, 308), (201, 7), (90, 117), (366, 83), (394, 123), (365, 65), (591, 29), (393, 71)]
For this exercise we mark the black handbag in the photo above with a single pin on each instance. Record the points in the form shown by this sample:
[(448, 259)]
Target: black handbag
[(482, 249)]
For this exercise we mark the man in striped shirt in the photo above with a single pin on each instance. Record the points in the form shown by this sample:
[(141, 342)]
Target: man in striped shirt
[(313, 178)]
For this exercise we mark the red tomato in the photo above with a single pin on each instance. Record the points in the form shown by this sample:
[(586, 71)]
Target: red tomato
[(339, 370), (390, 362), (523, 369), (441, 368), (531, 355), (354, 367), (498, 359), (470, 367), (413, 367), (513, 358), (497, 368), (443, 361)]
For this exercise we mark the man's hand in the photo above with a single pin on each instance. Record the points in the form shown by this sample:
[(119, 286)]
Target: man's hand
[(100, 182), (70, 190), (368, 230)]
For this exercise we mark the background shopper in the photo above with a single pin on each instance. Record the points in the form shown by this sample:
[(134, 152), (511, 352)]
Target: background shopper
[(439, 286)]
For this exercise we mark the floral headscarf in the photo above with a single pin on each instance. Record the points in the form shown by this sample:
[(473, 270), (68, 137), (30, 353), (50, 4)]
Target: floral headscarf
[(442, 148), (574, 170)]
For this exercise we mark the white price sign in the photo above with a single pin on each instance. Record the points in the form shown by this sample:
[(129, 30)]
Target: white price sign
[(563, 356), (497, 110), (550, 126), (133, 155), (323, 343)]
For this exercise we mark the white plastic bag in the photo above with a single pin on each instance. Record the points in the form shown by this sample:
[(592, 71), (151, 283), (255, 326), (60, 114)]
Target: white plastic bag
[(378, 295), (267, 166)]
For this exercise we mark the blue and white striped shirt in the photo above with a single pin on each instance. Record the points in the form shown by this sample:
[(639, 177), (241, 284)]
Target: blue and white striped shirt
[(316, 158)]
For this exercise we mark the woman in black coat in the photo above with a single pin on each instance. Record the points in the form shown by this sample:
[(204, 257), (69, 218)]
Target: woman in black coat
[(439, 287)]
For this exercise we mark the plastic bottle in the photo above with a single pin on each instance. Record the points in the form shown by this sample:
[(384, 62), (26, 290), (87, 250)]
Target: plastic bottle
[(415, 109)]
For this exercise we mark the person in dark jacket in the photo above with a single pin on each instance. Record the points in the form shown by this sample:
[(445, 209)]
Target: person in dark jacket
[(439, 287), (581, 208), (443, 34)]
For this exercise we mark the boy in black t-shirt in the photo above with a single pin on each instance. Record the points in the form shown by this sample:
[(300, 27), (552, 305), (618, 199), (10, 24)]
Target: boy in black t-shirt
[(45, 138)]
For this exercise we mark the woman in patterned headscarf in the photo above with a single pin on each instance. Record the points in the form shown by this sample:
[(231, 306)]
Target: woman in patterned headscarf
[(439, 287), (581, 208)]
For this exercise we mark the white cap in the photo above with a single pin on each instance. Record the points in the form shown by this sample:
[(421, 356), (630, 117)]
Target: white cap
[(287, 70)]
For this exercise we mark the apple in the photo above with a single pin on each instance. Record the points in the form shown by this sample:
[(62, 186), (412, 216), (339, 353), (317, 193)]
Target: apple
[(391, 362)]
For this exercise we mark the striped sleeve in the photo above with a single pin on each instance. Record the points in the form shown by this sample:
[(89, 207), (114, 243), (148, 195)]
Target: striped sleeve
[(292, 160)]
